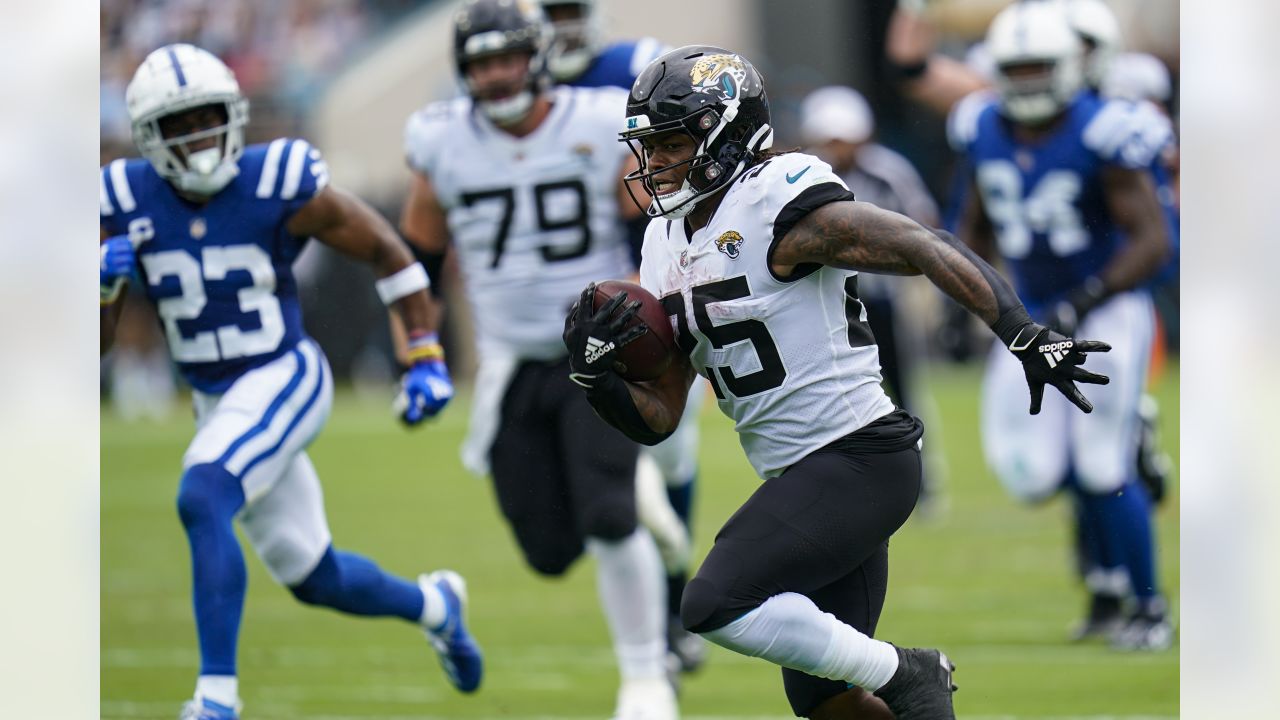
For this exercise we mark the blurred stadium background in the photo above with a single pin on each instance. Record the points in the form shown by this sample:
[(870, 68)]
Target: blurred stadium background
[(985, 578)]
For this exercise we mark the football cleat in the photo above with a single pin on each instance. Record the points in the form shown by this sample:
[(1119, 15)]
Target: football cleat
[(646, 699), (201, 708), (1154, 464), (459, 654), (1147, 630), (1105, 616), (921, 688)]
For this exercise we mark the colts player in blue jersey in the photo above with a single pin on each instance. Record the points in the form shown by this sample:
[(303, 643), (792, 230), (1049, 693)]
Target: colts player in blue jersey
[(1066, 183), (209, 228), (578, 56)]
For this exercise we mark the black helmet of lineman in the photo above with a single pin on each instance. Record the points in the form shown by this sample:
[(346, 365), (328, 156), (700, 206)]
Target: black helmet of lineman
[(484, 28), (715, 96)]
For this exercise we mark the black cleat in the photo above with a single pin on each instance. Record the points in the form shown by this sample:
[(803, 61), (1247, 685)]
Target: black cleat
[(1106, 615), (921, 688), (690, 649)]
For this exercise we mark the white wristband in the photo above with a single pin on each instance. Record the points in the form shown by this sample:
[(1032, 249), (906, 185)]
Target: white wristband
[(403, 282)]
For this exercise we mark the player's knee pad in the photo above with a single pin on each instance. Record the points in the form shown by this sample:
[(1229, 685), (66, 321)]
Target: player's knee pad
[(702, 607), (208, 494), (610, 518)]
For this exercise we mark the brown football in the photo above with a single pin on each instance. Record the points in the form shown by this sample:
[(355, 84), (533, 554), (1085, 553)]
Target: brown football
[(648, 356)]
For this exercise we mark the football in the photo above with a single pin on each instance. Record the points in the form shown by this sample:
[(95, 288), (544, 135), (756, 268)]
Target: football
[(648, 356)]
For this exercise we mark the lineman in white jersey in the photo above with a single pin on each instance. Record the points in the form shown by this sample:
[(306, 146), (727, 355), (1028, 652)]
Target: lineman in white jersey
[(526, 185), (754, 255), (578, 56)]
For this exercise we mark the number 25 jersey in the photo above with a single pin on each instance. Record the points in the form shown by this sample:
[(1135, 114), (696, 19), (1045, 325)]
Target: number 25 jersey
[(791, 360), (534, 219)]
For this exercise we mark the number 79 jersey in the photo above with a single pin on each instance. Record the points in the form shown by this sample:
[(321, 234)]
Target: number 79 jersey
[(534, 219), (219, 274), (791, 360)]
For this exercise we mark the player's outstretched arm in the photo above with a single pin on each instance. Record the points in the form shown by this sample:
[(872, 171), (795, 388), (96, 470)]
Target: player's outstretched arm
[(647, 412), (861, 236), (347, 224)]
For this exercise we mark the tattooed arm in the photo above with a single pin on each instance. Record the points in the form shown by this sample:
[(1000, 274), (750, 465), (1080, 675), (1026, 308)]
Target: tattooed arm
[(861, 236)]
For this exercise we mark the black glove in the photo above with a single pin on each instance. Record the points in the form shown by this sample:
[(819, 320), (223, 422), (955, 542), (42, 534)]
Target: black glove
[(1068, 313), (594, 338), (1051, 358)]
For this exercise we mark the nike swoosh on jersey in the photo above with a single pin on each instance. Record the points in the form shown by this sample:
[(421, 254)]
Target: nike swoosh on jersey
[(793, 178)]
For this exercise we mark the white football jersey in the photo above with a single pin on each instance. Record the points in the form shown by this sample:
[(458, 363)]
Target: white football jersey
[(792, 361), (533, 219)]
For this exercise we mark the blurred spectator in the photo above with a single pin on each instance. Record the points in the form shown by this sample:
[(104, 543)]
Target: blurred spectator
[(281, 52)]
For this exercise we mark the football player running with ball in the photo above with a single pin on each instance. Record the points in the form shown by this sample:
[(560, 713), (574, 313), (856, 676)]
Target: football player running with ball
[(755, 256), (525, 182), (211, 228)]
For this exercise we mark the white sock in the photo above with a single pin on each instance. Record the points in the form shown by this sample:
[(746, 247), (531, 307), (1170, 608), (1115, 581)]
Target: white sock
[(789, 630), (222, 689), (656, 514), (433, 607), (632, 588), (1108, 581)]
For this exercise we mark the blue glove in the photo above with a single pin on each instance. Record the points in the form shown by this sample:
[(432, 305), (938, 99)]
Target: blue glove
[(115, 265), (426, 388)]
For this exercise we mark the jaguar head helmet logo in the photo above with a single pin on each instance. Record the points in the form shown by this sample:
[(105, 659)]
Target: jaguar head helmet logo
[(719, 75)]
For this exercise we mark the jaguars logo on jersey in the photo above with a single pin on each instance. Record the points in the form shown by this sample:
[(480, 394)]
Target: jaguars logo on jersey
[(730, 243), (719, 75)]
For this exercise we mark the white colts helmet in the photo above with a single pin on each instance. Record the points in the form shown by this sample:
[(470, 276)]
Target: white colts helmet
[(1097, 26), (1035, 34), (175, 79), (574, 43)]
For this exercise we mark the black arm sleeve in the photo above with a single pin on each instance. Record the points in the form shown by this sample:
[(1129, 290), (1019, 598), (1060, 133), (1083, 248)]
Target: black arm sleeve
[(612, 401), (434, 264), (1011, 315)]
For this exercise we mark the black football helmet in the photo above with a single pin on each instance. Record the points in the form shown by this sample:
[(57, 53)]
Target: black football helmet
[(715, 96), (484, 28)]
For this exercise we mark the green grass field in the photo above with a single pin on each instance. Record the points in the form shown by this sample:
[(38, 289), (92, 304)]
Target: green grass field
[(987, 580)]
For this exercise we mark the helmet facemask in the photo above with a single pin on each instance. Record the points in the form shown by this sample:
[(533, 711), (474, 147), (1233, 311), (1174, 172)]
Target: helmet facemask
[(705, 173), (201, 172), (508, 110), (574, 40), (1034, 91)]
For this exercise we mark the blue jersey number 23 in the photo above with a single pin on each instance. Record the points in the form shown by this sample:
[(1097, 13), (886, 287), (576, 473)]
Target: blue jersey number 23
[(228, 341)]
